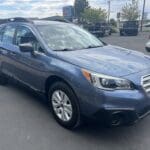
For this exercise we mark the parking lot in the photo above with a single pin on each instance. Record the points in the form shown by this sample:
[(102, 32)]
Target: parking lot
[(26, 123), (130, 42)]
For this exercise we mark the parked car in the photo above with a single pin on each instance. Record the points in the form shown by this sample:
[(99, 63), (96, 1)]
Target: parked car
[(129, 28), (80, 75), (96, 29), (148, 46), (107, 28), (146, 27)]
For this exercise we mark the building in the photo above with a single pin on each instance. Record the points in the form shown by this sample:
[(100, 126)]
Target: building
[(68, 12)]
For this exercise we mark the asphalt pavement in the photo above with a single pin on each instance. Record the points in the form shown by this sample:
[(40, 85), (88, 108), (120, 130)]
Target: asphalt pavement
[(130, 42), (26, 123)]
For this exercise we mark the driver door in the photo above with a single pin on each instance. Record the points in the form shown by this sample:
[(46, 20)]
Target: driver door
[(30, 66)]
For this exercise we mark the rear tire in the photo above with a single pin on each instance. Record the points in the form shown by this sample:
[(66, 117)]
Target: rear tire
[(64, 105), (121, 34), (135, 34), (3, 79)]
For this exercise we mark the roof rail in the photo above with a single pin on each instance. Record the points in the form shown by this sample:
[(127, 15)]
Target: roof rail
[(56, 18), (17, 19)]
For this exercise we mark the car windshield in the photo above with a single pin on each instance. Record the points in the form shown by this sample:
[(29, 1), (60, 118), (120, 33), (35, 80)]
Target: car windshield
[(65, 37)]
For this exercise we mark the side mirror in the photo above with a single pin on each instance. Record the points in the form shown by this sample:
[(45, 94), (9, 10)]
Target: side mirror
[(26, 47)]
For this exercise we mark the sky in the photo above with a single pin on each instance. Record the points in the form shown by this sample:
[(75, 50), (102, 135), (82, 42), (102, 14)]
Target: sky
[(46, 8)]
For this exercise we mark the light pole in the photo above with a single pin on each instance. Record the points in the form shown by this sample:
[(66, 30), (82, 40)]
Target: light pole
[(143, 13), (108, 10), (133, 1)]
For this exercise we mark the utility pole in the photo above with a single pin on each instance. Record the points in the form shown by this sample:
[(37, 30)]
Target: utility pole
[(133, 1), (109, 10), (143, 13)]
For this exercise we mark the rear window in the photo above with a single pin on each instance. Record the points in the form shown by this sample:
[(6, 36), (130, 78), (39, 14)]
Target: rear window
[(131, 24)]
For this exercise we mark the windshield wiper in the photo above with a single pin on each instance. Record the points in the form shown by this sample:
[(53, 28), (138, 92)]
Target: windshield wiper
[(65, 49), (92, 46)]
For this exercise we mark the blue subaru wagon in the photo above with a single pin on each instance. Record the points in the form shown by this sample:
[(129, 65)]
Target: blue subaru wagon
[(81, 76)]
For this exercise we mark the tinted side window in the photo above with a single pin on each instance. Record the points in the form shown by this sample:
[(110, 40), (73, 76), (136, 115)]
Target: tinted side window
[(1, 32), (8, 35)]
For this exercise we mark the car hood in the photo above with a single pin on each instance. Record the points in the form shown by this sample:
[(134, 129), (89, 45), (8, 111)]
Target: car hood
[(110, 60)]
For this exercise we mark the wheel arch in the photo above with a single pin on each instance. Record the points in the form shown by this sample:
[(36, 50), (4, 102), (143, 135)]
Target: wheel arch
[(53, 79)]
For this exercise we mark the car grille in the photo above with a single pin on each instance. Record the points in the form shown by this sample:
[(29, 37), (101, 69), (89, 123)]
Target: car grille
[(146, 83)]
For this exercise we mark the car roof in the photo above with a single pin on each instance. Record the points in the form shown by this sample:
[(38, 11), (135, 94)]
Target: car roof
[(31, 22), (47, 22)]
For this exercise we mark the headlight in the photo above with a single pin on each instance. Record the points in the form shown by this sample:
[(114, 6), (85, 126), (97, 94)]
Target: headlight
[(107, 82)]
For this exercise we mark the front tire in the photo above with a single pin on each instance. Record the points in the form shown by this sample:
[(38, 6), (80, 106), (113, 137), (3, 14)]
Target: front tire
[(64, 105), (121, 34), (110, 33), (3, 79)]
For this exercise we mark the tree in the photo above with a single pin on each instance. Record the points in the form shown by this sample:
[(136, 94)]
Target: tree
[(79, 7), (93, 15), (130, 12), (113, 22)]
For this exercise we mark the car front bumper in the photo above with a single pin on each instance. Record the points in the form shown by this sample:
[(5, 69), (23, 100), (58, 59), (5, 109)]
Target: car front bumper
[(117, 110), (119, 116), (116, 107), (127, 112)]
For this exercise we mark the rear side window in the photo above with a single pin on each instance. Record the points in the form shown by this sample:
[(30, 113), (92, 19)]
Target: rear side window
[(1, 32), (8, 35)]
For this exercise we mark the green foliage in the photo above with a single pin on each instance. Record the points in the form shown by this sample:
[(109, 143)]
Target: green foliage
[(93, 15), (80, 6), (130, 12), (114, 29), (113, 22)]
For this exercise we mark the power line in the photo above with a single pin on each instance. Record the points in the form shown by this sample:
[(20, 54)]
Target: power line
[(108, 10), (143, 13)]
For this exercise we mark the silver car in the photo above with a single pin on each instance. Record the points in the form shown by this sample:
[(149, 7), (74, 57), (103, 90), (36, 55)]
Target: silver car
[(148, 45)]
